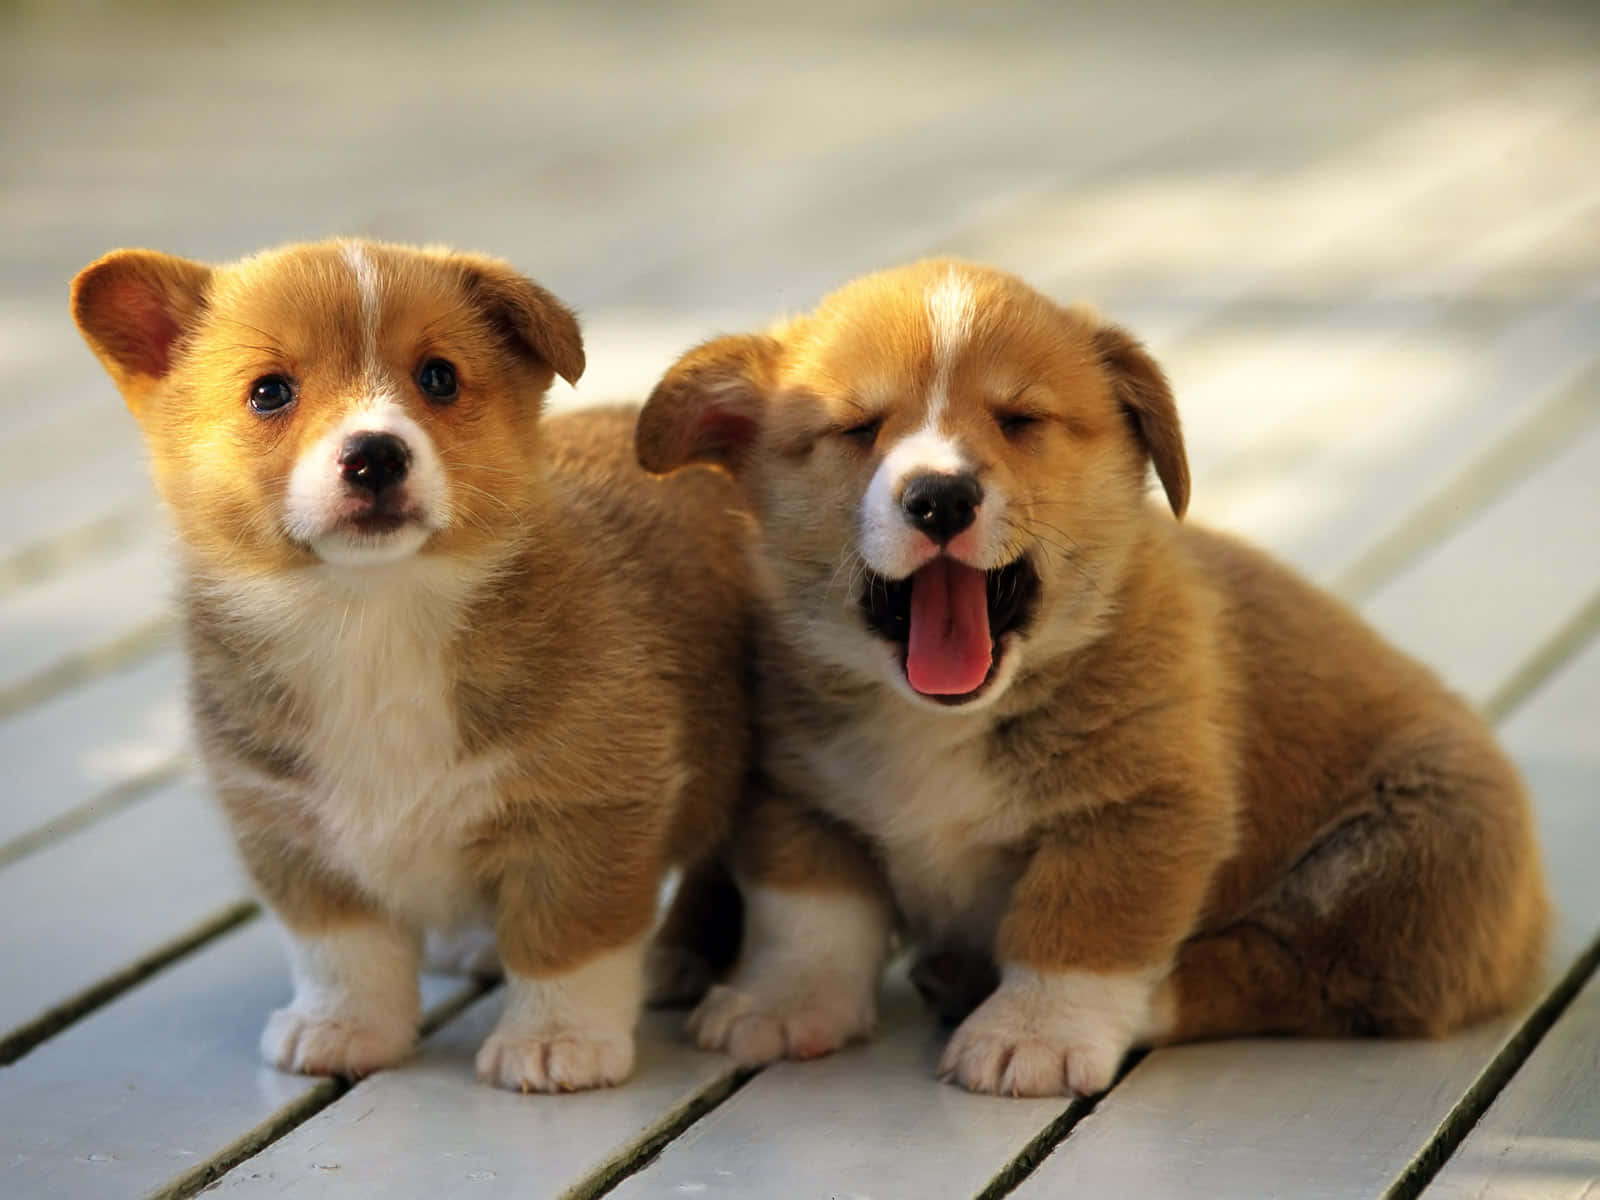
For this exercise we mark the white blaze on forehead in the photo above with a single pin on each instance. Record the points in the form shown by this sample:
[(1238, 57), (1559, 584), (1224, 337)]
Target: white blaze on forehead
[(951, 308), (367, 287)]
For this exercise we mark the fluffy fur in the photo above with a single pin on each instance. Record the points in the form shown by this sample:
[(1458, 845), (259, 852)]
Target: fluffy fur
[(503, 693), (1168, 790)]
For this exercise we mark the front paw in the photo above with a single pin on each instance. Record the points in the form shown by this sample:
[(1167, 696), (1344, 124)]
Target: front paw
[(754, 1027), (1048, 1034), (556, 1060), (320, 1044)]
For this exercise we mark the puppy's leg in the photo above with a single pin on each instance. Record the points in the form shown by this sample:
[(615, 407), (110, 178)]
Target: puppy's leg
[(817, 920), (954, 980), (1089, 935), (575, 898), (1419, 909), (356, 1002), (356, 1005), (698, 939)]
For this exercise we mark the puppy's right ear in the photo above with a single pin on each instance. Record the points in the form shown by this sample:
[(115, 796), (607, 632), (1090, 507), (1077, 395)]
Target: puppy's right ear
[(132, 307), (709, 407)]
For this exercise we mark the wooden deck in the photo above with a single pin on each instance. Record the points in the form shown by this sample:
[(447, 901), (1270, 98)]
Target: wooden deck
[(1366, 242)]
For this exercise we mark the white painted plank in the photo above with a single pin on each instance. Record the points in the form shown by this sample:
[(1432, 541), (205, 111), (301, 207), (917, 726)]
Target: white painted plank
[(869, 1121), (1483, 599), (1305, 1119), (43, 624), (1292, 237), (1540, 1139), (157, 1081), (430, 1129), (80, 745), (93, 902), (73, 474)]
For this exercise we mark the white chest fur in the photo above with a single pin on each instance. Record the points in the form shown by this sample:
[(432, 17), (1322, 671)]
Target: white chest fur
[(922, 789), (366, 651)]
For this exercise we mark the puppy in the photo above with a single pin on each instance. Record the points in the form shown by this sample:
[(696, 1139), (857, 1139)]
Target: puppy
[(1122, 780), (453, 667)]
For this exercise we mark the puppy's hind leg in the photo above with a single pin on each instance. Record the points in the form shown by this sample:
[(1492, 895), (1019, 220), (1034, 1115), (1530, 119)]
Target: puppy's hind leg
[(1418, 910), (817, 920), (698, 939)]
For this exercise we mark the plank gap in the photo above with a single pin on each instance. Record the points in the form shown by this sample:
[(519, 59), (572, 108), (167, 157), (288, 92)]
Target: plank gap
[(1043, 1143), (647, 1147), (1556, 650), (102, 804), (51, 556), (297, 1112), (27, 1036), (83, 665), (1471, 1107), (1509, 461)]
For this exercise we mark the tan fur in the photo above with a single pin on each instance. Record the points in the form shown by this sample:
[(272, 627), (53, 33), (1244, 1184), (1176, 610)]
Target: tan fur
[(558, 672), (1199, 769)]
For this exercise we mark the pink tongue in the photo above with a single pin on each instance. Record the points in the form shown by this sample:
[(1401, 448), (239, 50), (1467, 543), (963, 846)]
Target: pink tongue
[(949, 649)]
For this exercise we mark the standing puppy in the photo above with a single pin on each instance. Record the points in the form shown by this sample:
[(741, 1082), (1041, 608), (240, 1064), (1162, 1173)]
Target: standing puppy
[(1122, 780), (451, 665)]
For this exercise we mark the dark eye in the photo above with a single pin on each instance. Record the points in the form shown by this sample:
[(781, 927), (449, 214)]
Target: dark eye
[(1013, 423), (865, 433), (437, 379), (271, 392)]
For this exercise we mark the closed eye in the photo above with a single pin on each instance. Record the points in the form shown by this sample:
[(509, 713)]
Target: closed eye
[(1014, 423), (864, 433)]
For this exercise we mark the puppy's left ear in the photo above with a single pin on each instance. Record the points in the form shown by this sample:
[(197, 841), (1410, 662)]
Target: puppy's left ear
[(1146, 398), (709, 407), (134, 307), (530, 319)]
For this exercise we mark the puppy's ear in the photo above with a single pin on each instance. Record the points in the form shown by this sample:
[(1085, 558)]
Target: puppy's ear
[(530, 319), (133, 307), (1146, 398), (709, 406)]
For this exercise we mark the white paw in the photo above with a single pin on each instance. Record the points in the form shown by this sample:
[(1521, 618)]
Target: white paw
[(674, 976), (1049, 1034), (466, 952), (322, 1044), (792, 1023), (556, 1060)]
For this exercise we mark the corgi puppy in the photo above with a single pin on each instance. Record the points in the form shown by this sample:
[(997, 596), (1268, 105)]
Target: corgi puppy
[(454, 667), (1121, 780)]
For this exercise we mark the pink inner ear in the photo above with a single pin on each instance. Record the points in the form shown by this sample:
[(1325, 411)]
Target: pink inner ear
[(722, 435), (140, 331)]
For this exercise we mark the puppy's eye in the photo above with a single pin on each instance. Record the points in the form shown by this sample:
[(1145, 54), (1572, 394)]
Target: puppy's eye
[(437, 379), (863, 434), (1013, 423), (271, 392)]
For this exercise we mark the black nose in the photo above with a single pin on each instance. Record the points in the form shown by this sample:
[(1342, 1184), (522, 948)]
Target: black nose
[(373, 460), (941, 506)]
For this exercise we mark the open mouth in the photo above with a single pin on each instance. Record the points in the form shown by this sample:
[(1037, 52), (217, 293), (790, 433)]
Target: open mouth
[(950, 619)]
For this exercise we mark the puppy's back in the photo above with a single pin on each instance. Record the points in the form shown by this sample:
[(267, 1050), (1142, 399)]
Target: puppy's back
[(1365, 772)]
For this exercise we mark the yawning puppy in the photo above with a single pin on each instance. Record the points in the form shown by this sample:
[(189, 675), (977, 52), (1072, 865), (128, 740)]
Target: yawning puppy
[(452, 665), (1122, 780)]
